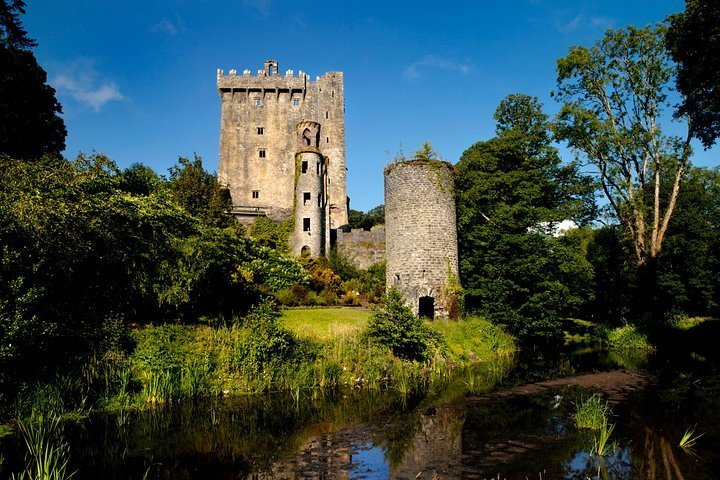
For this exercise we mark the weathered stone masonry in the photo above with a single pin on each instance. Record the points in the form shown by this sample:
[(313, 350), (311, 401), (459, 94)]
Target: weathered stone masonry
[(362, 248), (258, 139), (421, 233)]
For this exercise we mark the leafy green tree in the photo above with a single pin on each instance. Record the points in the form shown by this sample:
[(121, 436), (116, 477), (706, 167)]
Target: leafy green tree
[(613, 96), (393, 325), (199, 192), (694, 42), (511, 192), (689, 263), (30, 125), (374, 216)]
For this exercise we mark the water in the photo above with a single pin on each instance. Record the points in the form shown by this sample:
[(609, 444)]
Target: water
[(515, 432)]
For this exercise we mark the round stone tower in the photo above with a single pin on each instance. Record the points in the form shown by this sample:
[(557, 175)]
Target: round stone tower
[(421, 235), (310, 199)]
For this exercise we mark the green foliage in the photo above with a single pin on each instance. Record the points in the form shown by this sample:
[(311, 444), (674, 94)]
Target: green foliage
[(374, 216), (393, 325), (592, 413), (47, 453), (689, 439), (613, 97), (425, 152), (692, 251), (626, 338), (86, 248), (510, 189), (199, 192), (273, 234), (473, 338), (694, 42), (30, 122)]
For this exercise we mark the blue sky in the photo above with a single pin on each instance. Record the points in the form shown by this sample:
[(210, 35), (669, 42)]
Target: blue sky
[(137, 78)]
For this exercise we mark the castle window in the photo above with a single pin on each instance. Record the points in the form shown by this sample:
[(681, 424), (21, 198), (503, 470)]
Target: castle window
[(304, 166), (327, 114), (319, 200), (261, 153), (258, 102), (318, 168), (261, 130), (306, 198), (327, 139), (306, 224), (296, 102), (256, 193)]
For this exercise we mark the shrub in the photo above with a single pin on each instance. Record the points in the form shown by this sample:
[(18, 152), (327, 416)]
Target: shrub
[(393, 325), (626, 338)]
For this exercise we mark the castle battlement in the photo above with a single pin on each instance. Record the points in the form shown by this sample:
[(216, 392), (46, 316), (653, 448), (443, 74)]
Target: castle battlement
[(269, 79)]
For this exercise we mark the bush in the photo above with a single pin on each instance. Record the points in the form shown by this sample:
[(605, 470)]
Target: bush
[(393, 325), (625, 338)]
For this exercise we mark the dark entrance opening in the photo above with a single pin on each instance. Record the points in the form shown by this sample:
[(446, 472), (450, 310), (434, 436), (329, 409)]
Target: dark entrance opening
[(426, 308)]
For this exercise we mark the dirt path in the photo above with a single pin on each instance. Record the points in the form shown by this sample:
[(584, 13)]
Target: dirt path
[(614, 384)]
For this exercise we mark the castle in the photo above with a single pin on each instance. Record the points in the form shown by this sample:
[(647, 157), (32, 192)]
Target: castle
[(282, 155), (282, 151)]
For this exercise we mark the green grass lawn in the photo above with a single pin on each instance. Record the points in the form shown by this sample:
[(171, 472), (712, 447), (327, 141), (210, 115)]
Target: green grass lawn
[(325, 323)]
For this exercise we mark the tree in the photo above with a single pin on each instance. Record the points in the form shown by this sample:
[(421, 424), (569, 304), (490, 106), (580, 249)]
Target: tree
[(614, 94), (694, 42), (200, 193), (510, 190), (30, 125)]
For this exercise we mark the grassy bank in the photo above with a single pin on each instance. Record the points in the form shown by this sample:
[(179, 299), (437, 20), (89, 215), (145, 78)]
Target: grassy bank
[(296, 351)]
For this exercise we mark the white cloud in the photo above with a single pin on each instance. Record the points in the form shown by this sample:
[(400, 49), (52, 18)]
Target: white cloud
[(170, 27), (81, 81), (584, 22), (414, 70)]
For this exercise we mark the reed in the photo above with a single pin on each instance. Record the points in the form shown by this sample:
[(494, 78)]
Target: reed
[(48, 455)]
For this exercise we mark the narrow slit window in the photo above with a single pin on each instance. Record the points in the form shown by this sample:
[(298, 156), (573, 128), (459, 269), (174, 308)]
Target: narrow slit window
[(319, 200), (318, 167), (258, 102), (296, 102), (304, 166), (256, 194), (327, 139), (306, 198), (327, 114), (261, 131), (261, 153), (306, 224)]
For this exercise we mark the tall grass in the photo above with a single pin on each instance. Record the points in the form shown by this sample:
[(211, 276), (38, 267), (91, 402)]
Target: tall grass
[(601, 447), (592, 413), (689, 439), (48, 455)]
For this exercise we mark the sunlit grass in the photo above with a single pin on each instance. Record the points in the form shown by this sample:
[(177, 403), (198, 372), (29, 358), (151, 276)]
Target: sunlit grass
[(474, 338), (592, 413), (689, 438), (325, 323)]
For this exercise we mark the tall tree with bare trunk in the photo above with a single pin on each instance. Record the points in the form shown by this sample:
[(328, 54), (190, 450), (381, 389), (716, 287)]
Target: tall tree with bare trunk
[(614, 97)]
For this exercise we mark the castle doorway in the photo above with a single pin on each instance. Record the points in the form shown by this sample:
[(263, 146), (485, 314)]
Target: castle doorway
[(426, 307), (305, 251)]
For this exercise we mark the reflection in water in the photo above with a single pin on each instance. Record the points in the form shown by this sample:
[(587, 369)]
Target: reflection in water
[(518, 432)]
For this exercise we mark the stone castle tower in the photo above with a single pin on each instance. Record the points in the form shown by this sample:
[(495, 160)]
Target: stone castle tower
[(421, 235), (270, 126)]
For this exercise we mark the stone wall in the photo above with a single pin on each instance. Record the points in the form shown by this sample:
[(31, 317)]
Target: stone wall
[(421, 233), (362, 248), (258, 138)]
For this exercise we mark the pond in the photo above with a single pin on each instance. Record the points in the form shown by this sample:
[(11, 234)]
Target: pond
[(516, 427)]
